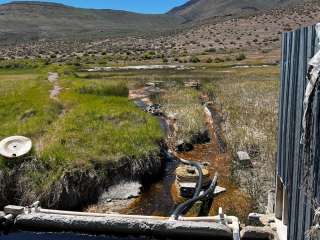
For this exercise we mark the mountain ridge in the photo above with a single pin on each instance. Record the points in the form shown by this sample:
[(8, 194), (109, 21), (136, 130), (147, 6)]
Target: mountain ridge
[(199, 10), (23, 21)]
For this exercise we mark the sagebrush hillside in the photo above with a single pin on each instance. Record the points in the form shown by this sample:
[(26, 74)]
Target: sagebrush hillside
[(59, 33), (23, 21), (197, 10)]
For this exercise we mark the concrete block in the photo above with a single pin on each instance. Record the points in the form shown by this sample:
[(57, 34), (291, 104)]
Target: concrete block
[(251, 232), (244, 159), (187, 189), (14, 210), (271, 201), (254, 219)]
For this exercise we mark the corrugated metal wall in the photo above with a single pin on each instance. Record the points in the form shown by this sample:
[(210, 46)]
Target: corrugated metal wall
[(298, 48)]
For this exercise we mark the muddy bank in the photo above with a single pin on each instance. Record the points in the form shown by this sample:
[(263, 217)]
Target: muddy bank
[(3, 188), (201, 137), (74, 189)]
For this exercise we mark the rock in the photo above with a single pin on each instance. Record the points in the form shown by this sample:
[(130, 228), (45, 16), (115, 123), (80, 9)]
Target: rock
[(267, 219), (112, 207), (251, 232), (187, 189), (243, 156), (201, 137), (198, 138), (121, 191), (14, 210), (254, 219), (184, 147), (244, 159)]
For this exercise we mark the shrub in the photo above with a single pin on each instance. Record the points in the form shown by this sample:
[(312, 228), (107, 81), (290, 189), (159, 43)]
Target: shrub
[(213, 50), (241, 57), (102, 89), (209, 60), (194, 59), (218, 60)]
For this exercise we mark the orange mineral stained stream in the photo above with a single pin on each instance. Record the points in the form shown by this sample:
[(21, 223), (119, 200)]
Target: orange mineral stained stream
[(233, 201), (157, 199)]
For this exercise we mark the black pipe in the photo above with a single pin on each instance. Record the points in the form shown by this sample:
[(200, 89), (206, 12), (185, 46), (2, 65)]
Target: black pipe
[(188, 204), (181, 208), (198, 167)]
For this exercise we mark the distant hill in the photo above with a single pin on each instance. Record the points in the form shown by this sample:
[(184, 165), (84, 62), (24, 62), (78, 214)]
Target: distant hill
[(23, 21), (198, 10)]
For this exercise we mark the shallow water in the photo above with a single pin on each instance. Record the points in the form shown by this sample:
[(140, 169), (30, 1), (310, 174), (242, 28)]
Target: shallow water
[(156, 199), (160, 198)]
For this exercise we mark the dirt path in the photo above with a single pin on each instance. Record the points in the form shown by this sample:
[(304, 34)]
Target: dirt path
[(53, 78)]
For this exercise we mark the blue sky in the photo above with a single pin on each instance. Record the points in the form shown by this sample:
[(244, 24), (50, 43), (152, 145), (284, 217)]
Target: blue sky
[(143, 6)]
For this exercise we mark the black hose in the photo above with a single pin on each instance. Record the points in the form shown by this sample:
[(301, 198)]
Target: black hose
[(176, 213), (181, 208), (188, 204), (198, 167)]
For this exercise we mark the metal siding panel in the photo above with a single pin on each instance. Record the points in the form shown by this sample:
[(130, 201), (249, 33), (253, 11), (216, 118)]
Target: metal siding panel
[(308, 203), (294, 210), (304, 202), (285, 108), (281, 99), (297, 49)]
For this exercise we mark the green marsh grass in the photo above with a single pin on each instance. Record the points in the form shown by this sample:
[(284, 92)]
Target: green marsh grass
[(185, 105), (91, 123)]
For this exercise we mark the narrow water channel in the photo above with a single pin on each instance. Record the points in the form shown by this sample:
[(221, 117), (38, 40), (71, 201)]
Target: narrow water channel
[(233, 201), (158, 199)]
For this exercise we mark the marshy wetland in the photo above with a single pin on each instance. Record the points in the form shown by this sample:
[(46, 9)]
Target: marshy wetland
[(92, 136)]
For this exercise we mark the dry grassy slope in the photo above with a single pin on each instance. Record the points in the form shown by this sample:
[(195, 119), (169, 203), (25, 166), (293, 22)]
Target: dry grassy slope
[(21, 21), (260, 31), (196, 10)]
